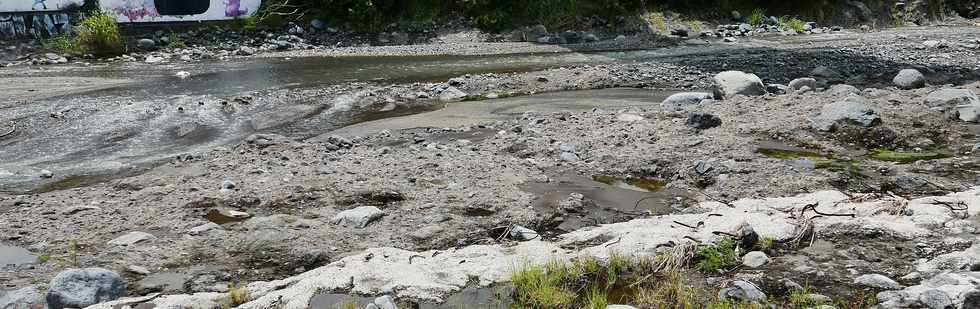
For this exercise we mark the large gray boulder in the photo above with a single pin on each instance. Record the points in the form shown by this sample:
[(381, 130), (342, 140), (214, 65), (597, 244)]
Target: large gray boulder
[(24, 298), (852, 109), (80, 288), (742, 290), (909, 79), (687, 98), (964, 103), (731, 83)]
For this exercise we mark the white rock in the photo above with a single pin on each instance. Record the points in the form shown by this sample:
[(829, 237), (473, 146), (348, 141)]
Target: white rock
[(755, 259), (358, 217), (731, 83), (201, 229), (909, 79), (132, 238), (182, 74), (687, 98), (877, 281)]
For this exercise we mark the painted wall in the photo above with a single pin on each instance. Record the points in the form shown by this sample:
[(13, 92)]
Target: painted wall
[(134, 11), (17, 6), (40, 25)]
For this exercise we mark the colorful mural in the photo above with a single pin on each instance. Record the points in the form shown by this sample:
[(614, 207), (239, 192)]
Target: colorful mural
[(19, 6), (137, 11), (35, 25)]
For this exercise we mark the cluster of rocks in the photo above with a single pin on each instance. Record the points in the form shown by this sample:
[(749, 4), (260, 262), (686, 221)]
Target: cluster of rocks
[(539, 33), (772, 27)]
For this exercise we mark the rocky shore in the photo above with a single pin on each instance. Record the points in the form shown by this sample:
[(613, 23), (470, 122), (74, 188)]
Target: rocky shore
[(856, 154)]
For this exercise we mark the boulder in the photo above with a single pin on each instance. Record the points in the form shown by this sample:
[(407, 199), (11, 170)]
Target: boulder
[(742, 290), (799, 83), (687, 98), (451, 94), (146, 44), (358, 217), (731, 83), (80, 288), (522, 233), (853, 109), (909, 79), (385, 302), (964, 103), (755, 259), (877, 281), (23, 298)]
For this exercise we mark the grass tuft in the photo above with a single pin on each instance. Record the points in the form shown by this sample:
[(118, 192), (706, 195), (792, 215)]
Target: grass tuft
[(758, 17), (237, 295), (794, 23), (719, 257)]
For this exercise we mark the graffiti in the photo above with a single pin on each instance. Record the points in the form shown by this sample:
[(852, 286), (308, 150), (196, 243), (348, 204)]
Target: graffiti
[(233, 9), (18, 6), (139, 11), (36, 25)]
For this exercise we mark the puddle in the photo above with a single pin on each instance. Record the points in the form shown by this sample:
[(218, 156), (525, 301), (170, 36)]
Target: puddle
[(469, 297), (15, 256), (635, 184), (605, 200)]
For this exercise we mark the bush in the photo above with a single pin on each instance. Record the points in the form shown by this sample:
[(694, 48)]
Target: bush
[(722, 256), (758, 17), (96, 34), (792, 23)]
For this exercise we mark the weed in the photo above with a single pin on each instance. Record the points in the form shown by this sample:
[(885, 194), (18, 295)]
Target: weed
[(73, 249), (766, 243), (794, 23), (98, 34), (596, 299), (44, 258), (40, 284), (722, 256), (63, 43), (348, 304), (669, 292), (237, 295), (758, 17), (175, 41)]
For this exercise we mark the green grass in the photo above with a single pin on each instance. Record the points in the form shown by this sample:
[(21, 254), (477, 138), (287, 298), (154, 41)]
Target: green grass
[(175, 41), (758, 17), (718, 257), (237, 296), (96, 34), (904, 157), (44, 258), (794, 23)]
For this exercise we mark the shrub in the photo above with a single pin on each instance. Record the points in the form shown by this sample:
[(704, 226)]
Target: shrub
[(758, 17), (722, 256), (792, 23), (96, 34), (99, 35)]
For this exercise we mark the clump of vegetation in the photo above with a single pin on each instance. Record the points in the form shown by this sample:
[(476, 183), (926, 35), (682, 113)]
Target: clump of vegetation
[(96, 34), (721, 256), (766, 243), (758, 17), (794, 23), (904, 157), (581, 283), (175, 41), (237, 295)]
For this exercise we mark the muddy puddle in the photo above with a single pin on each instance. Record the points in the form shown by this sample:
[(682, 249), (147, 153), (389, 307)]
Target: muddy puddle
[(469, 297), (15, 256), (576, 201)]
